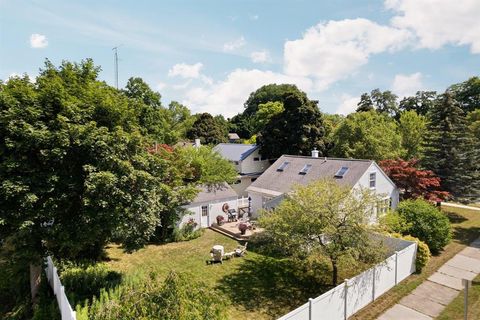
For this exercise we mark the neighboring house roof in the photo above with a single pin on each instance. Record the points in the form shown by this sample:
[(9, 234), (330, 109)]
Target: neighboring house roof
[(273, 203), (279, 182), (235, 151), (214, 194), (233, 136)]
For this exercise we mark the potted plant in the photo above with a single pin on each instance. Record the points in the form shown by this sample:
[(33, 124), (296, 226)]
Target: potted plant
[(243, 228), (220, 220)]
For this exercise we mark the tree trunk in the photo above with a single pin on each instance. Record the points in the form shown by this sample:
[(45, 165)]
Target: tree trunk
[(334, 272), (35, 277)]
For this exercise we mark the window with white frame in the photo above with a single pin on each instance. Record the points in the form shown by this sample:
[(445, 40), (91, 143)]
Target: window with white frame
[(383, 206), (204, 211), (373, 179)]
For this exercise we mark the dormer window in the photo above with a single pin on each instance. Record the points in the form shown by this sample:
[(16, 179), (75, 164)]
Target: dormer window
[(283, 166), (305, 169)]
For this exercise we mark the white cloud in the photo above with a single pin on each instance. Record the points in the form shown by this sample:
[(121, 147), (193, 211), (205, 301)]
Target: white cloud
[(407, 85), (234, 45), (348, 104), (38, 41), (439, 22), (186, 71), (254, 17), (227, 97), (334, 50), (260, 56), (161, 86)]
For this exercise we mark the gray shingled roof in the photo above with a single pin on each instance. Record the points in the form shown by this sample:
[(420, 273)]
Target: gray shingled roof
[(282, 182), (207, 195), (235, 151)]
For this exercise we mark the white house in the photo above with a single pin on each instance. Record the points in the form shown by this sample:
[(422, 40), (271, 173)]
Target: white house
[(268, 190), (247, 160), (210, 203)]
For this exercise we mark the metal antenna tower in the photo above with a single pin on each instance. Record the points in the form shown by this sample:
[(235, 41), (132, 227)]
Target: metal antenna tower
[(115, 54)]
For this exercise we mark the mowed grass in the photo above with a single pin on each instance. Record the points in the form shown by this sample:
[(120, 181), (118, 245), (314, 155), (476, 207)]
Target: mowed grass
[(465, 227), (455, 310), (254, 286)]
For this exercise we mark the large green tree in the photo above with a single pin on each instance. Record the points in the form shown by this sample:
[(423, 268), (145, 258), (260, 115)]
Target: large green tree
[(412, 128), (208, 129), (328, 219), (421, 103), (74, 167), (297, 130), (382, 101), (367, 135), (451, 150), (467, 94)]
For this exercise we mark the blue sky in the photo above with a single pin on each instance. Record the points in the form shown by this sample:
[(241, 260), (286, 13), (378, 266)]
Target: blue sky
[(211, 54)]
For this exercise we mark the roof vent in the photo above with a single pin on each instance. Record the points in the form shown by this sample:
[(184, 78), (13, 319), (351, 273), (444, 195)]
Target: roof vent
[(283, 166), (305, 169), (340, 173), (314, 153)]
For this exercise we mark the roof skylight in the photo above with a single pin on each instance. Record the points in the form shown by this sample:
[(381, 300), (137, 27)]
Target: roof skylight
[(305, 169), (340, 173), (283, 166)]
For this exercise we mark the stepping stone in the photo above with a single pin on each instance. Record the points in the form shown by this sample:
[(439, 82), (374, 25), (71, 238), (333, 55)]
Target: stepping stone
[(446, 280), (422, 304), (465, 263), (471, 252), (436, 292), (457, 272), (399, 312)]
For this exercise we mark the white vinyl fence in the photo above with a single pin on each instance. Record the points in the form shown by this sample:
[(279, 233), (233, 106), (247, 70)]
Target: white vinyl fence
[(54, 281), (344, 300)]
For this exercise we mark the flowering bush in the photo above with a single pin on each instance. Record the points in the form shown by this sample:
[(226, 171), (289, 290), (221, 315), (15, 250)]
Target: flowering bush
[(242, 227), (220, 220)]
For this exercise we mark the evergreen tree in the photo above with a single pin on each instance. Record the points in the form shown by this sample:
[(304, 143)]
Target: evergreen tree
[(451, 151)]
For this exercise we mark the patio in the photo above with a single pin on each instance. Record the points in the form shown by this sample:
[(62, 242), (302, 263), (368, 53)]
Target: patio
[(231, 230)]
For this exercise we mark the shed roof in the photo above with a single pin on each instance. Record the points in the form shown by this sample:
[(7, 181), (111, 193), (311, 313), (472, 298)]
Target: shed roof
[(235, 151), (207, 194), (318, 168)]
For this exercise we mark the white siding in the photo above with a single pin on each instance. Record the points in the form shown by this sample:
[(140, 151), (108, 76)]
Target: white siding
[(214, 209), (384, 187), (257, 203), (250, 166), (245, 182)]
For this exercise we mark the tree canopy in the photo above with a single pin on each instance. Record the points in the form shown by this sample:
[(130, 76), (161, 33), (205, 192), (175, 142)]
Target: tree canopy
[(383, 102), (412, 128), (467, 94), (324, 217), (367, 135), (297, 130), (208, 129)]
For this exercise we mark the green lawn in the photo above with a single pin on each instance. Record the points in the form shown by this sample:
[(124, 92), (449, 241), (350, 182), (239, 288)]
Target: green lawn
[(466, 228), (455, 310), (255, 286)]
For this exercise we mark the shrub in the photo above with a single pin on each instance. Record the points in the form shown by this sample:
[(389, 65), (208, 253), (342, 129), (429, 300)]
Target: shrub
[(175, 298), (426, 223), (187, 232), (86, 282), (423, 252)]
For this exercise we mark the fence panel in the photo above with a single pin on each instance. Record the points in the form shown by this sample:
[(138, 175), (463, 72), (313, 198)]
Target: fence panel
[(406, 262), (385, 276), (64, 306), (360, 291), (330, 305), (298, 314)]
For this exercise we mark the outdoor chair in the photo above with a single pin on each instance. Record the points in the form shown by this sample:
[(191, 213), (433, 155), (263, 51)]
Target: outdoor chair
[(241, 250), (232, 215), (217, 254)]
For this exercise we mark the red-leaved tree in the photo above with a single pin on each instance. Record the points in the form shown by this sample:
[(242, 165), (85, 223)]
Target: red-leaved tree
[(413, 182)]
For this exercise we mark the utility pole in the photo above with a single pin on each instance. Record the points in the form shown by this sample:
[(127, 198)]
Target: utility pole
[(115, 54)]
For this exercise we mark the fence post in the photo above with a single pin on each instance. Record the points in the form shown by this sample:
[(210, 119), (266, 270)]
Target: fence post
[(346, 294), (396, 267), (373, 286), (310, 311)]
